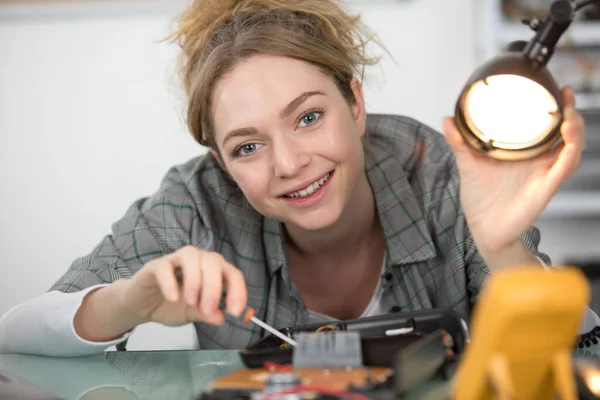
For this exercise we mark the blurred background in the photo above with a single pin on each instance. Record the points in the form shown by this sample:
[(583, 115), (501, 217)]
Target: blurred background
[(91, 118)]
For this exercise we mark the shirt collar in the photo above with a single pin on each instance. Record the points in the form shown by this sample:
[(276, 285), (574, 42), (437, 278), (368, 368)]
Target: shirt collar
[(404, 226), (274, 249)]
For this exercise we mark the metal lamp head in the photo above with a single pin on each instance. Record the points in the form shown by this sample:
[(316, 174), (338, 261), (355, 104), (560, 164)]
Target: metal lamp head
[(510, 108)]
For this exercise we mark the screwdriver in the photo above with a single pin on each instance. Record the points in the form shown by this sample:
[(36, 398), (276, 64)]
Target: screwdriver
[(246, 316)]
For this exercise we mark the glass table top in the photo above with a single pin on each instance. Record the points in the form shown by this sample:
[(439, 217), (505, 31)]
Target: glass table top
[(160, 375), (125, 375)]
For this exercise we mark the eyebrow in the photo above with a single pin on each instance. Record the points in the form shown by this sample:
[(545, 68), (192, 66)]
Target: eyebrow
[(297, 102), (286, 112)]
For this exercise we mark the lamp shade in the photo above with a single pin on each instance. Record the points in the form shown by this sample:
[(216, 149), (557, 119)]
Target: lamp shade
[(510, 108)]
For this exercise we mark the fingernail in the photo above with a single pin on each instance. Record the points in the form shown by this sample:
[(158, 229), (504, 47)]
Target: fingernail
[(237, 311), (572, 94), (173, 295), (190, 299)]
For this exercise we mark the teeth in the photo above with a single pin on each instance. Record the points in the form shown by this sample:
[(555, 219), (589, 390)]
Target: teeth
[(310, 189)]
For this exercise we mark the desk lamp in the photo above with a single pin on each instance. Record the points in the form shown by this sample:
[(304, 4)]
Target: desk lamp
[(510, 108)]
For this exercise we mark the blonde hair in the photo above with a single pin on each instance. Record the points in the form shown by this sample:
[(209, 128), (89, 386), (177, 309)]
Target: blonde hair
[(215, 35)]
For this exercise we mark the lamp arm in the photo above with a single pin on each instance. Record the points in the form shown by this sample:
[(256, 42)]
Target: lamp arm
[(579, 4), (541, 47)]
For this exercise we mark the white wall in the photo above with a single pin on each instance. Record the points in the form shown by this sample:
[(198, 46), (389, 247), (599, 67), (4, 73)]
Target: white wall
[(91, 117), (432, 45), (88, 123)]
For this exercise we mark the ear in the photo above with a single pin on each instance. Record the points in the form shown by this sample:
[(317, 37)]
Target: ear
[(217, 157), (221, 163), (358, 108)]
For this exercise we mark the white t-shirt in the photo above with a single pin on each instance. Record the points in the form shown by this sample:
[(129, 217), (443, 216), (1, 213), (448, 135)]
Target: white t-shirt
[(375, 307)]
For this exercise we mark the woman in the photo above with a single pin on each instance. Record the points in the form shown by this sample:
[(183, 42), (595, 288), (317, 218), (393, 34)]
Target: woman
[(305, 208)]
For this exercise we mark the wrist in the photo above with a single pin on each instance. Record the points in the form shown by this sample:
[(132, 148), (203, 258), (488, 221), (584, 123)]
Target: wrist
[(513, 255), (101, 316), (118, 294), (500, 251)]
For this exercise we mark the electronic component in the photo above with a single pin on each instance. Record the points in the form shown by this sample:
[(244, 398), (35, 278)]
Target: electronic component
[(523, 333), (309, 383), (329, 365), (589, 339), (328, 350), (420, 361), (381, 336)]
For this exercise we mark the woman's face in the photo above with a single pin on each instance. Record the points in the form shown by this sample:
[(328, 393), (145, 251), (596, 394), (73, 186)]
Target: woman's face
[(289, 139)]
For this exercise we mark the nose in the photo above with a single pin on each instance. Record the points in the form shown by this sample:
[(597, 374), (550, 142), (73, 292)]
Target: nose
[(289, 157)]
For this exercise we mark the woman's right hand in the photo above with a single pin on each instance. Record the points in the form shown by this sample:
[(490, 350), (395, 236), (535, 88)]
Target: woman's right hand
[(154, 294)]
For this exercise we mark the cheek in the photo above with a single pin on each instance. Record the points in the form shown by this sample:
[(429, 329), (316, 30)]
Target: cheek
[(343, 143), (253, 181)]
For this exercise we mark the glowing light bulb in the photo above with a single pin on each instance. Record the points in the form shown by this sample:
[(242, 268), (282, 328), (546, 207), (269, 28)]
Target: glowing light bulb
[(512, 111)]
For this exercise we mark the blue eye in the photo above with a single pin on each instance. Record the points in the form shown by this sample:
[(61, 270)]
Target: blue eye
[(246, 149), (310, 118)]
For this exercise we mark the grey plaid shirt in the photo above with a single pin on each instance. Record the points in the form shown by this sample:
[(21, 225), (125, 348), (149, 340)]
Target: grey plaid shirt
[(431, 260)]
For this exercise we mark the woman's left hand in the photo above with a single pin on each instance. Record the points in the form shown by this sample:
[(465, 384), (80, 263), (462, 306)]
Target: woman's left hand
[(501, 199)]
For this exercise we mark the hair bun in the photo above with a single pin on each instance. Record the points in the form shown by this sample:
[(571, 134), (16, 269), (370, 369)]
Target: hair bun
[(203, 17), (216, 34)]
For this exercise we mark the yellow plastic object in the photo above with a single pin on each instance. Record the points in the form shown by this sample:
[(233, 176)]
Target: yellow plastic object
[(523, 331)]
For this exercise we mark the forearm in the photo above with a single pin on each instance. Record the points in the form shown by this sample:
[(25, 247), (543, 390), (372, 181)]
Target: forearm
[(513, 256), (101, 317)]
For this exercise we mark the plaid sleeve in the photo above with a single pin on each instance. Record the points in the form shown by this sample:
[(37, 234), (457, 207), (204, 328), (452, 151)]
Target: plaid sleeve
[(151, 227)]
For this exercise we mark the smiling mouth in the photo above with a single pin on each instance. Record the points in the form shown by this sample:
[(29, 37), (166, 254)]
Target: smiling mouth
[(310, 189)]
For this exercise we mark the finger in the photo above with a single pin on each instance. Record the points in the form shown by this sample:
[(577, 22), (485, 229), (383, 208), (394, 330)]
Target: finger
[(237, 294), (550, 157), (164, 272), (572, 131), (212, 288), (573, 128), (566, 163), (561, 169), (568, 97), (189, 260)]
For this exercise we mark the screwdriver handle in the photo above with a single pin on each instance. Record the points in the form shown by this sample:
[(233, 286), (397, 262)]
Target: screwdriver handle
[(246, 315)]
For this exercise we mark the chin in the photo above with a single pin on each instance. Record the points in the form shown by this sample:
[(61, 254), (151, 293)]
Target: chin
[(315, 221)]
